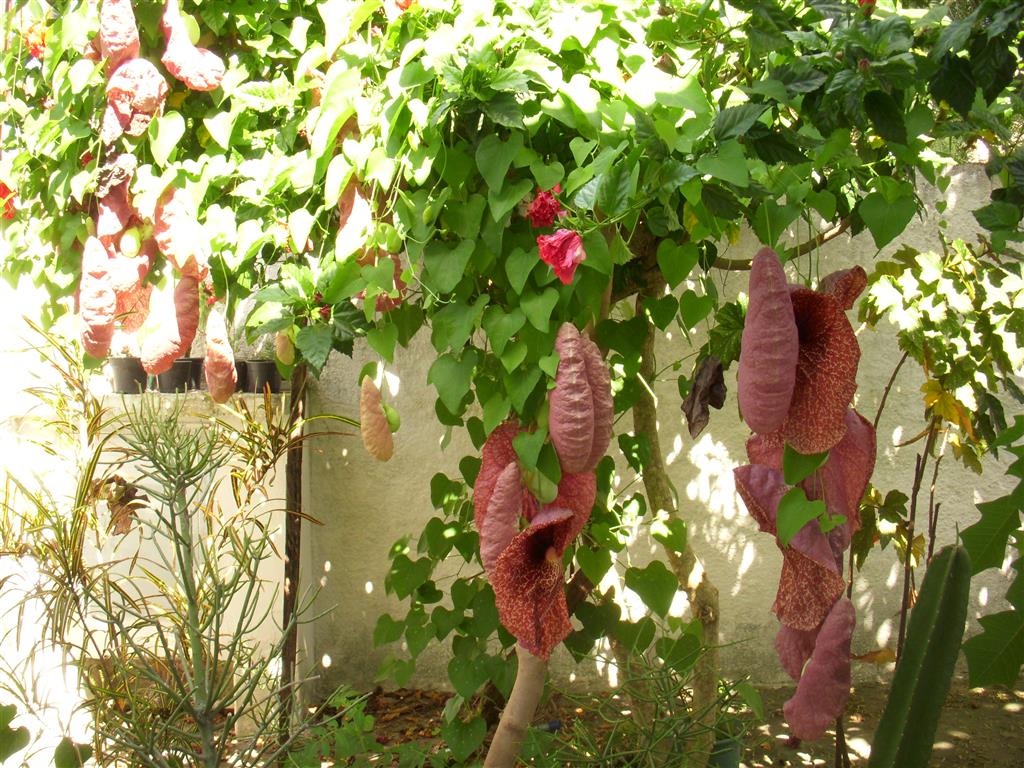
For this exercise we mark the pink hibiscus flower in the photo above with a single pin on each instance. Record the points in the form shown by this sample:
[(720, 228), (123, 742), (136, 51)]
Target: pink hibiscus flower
[(545, 208), (563, 251)]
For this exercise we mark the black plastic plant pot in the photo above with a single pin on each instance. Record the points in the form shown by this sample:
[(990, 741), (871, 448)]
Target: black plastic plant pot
[(176, 378), (261, 373), (195, 374), (242, 369), (128, 375)]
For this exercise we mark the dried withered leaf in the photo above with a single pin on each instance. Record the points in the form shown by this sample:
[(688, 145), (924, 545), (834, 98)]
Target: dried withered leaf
[(373, 424), (219, 363), (708, 389), (97, 300), (123, 499), (769, 346)]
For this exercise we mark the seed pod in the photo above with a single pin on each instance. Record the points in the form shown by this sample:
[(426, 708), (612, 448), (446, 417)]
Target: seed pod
[(119, 36), (97, 300), (219, 363), (284, 349), (373, 424), (198, 68), (580, 415), (770, 346)]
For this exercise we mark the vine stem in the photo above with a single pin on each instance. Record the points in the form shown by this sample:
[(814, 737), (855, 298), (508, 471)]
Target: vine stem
[(888, 387), (519, 711)]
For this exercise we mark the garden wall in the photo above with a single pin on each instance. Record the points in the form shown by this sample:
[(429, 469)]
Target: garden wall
[(366, 506)]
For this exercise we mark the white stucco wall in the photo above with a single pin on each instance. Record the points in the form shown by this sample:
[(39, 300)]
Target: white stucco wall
[(365, 506)]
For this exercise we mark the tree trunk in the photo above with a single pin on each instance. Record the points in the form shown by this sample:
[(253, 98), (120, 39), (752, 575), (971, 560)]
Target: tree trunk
[(693, 579), (292, 548), (519, 712)]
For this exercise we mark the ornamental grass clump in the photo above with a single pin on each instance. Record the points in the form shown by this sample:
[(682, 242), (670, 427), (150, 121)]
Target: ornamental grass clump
[(797, 376)]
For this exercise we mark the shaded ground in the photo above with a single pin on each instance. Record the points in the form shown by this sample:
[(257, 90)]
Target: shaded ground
[(977, 728)]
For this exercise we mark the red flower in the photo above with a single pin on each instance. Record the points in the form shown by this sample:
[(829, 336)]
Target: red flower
[(563, 251), (545, 209), (867, 7), (35, 40), (7, 196)]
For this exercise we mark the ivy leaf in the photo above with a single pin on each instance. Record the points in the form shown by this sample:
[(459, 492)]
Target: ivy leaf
[(995, 656), (501, 326), (661, 310), (538, 308), (446, 264), (504, 200), (451, 376), (71, 755), (406, 575), (314, 342), (728, 164), (635, 636), (382, 339), (670, 531), (594, 563), (12, 740), (463, 739), (679, 653), (656, 585), (164, 134), (467, 675), (795, 511), (387, 630), (884, 218), (694, 308), (518, 266), (798, 466), (676, 261), (494, 156)]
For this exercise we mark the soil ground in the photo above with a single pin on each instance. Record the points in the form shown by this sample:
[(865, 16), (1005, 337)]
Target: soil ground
[(978, 727)]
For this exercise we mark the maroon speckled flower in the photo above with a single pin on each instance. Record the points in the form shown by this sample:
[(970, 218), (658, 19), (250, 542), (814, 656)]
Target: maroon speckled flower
[(545, 209), (563, 251), (811, 579), (822, 378), (529, 588), (824, 687)]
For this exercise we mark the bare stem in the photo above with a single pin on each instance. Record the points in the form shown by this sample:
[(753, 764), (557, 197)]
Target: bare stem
[(522, 704), (888, 386)]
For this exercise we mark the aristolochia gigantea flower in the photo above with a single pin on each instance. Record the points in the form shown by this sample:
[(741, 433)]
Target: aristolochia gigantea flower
[(219, 364), (198, 68), (563, 251)]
